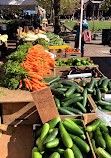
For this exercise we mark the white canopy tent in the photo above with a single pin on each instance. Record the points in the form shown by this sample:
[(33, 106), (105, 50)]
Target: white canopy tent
[(18, 4)]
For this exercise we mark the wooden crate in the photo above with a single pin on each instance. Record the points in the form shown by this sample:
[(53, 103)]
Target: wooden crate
[(17, 107), (88, 118), (64, 70)]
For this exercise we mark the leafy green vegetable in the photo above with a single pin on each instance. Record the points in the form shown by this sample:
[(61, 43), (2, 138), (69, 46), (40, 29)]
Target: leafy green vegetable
[(42, 42)]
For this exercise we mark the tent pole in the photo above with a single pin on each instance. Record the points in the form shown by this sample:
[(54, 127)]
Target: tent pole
[(81, 19)]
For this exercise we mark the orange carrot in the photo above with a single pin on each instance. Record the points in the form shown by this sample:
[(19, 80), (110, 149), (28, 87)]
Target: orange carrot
[(20, 85), (27, 83)]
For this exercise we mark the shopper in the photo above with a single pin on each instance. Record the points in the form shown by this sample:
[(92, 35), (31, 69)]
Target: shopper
[(85, 26), (37, 22)]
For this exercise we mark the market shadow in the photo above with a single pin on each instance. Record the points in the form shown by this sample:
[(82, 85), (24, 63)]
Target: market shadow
[(104, 65)]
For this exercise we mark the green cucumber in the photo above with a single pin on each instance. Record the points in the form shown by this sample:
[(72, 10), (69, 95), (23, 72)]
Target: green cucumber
[(55, 155), (58, 85), (104, 103), (45, 130), (57, 101), (58, 149), (55, 79), (70, 91), (71, 101), (76, 151), (103, 90), (108, 107), (91, 84), (93, 144), (93, 126), (38, 132), (82, 145), (83, 82), (108, 141), (72, 127), (99, 138), (95, 83), (54, 122), (81, 107), (68, 153), (73, 110), (102, 153), (72, 96), (66, 139), (101, 80), (105, 83), (83, 136), (51, 136), (77, 121), (104, 129), (102, 109), (84, 97), (36, 155), (91, 135), (53, 143), (62, 89), (64, 111), (78, 90), (98, 94), (90, 91), (109, 85), (58, 93), (67, 83)]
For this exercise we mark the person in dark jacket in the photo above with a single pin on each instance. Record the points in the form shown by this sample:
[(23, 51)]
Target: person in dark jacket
[(85, 26), (37, 20)]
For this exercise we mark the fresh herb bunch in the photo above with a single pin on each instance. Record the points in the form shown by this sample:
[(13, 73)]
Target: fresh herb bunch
[(21, 53), (13, 71), (55, 40), (42, 42)]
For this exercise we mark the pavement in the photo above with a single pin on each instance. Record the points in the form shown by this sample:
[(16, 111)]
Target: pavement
[(99, 53)]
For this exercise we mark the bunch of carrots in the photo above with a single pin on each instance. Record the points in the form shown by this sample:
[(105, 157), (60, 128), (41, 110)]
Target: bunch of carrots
[(37, 64)]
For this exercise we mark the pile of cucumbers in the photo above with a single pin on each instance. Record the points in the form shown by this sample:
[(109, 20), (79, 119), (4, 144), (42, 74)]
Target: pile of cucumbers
[(96, 88), (100, 136), (61, 139), (69, 97)]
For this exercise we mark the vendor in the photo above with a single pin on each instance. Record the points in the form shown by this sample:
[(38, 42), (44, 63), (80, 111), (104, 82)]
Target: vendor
[(38, 20)]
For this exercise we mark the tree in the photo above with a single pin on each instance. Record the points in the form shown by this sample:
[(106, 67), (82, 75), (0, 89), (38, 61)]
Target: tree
[(106, 5)]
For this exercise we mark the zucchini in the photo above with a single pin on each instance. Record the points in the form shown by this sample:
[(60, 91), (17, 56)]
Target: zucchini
[(72, 96), (57, 101), (76, 151), (81, 107), (71, 101), (99, 138), (82, 145), (68, 153), (53, 143), (73, 110), (66, 139), (72, 127), (70, 91), (54, 122), (64, 111), (98, 94), (102, 153), (108, 141), (55, 155), (84, 97), (36, 155), (51, 136), (93, 126)]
